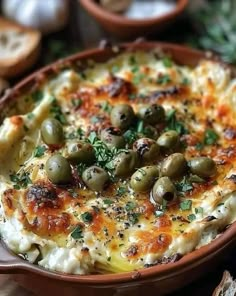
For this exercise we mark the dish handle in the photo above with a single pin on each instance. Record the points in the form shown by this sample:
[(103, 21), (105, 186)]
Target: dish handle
[(9, 263)]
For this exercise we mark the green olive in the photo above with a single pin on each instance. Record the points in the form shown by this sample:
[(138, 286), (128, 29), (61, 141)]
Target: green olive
[(95, 178), (80, 151), (202, 166), (143, 179), (151, 132), (174, 165), (52, 132), (58, 170), (122, 116), (147, 149), (163, 189), (112, 137), (169, 141), (152, 114), (125, 163)]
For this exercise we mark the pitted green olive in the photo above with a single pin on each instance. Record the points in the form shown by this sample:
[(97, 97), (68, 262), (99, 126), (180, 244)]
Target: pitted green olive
[(95, 178), (52, 132), (122, 116), (152, 114), (112, 137), (169, 141), (58, 170), (162, 190), (174, 165), (147, 149), (202, 166), (80, 151), (125, 163), (143, 179)]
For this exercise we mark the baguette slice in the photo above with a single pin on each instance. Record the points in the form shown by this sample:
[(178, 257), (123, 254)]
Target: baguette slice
[(227, 286), (19, 48)]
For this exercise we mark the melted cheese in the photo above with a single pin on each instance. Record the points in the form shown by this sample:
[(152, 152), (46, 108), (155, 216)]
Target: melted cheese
[(118, 240)]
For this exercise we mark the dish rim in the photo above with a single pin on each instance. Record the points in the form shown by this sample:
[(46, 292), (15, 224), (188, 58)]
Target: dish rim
[(194, 258), (121, 20)]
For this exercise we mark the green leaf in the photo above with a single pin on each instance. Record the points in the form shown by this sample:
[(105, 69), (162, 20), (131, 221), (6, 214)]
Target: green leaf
[(121, 191), (108, 201), (37, 96), (167, 62), (174, 124), (56, 111), (186, 205), (39, 151), (199, 210), (21, 180), (191, 217), (77, 233), (210, 137), (130, 206), (87, 217), (163, 79)]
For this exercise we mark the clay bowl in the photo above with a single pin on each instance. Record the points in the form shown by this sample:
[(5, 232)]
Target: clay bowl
[(124, 27), (159, 279)]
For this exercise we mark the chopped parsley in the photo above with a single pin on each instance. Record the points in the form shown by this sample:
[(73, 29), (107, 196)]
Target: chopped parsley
[(115, 69), (106, 107), (30, 115), (184, 186), (191, 217), (199, 210), (163, 79), (121, 191), (174, 124), (108, 201), (77, 134), (138, 77), (76, 102), (39, 151), (21, 180), (185, 81), (95, 119), (72, 193), (56, 111), (37, 96), (133, 218), (130, 136), (87, 217), (186, 205), (77, 233), (210, 137), (167, 62), (130, 206), (81, 167)]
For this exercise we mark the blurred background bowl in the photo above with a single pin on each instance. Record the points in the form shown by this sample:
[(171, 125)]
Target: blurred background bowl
[(124, 27)]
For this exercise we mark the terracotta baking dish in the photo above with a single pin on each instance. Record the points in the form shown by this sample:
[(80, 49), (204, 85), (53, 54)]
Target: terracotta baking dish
[(159, 279), (127, 28)]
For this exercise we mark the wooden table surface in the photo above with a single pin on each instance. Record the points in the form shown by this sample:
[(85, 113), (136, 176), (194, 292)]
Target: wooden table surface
[(83, 32)]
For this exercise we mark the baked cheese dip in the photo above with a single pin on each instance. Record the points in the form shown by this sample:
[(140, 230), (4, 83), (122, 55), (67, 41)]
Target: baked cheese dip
[(120, 166)]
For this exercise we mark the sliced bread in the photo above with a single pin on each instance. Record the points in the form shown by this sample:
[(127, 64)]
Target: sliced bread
[(19, 48)]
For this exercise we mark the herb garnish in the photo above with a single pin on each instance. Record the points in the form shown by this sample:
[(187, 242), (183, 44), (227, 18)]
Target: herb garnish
[(130, 206), (77, 233), (21, 180), (167, 62), (39, 151), (121, 191), (133, 217), (76, 102), (163, 79), (210, 137), (56, 111), (174, 124), (106, 107), (108, 201), (87, 217), (191, 217), (37, 96), (199, 210), (186, 205)]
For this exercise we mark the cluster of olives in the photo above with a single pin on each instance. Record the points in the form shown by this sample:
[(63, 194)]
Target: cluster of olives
[(145, 152), (158, 178)]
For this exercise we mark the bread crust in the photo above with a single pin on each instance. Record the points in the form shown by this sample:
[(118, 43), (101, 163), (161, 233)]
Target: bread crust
[(18, 63)]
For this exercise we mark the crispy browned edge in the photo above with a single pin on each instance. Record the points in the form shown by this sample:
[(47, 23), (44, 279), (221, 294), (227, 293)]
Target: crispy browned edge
[(11, 263)]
